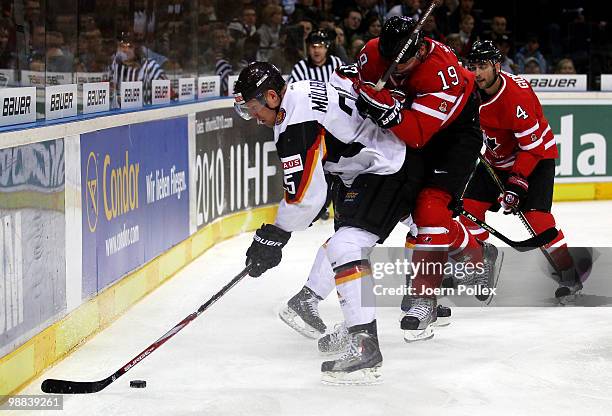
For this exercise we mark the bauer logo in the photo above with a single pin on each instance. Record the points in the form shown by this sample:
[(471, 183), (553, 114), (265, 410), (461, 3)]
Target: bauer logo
[(61, 101), (95, 97), (18, 105), (292, 164), (91, 191)]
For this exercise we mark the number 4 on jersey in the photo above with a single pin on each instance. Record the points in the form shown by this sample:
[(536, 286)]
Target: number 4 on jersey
[(520, 113)]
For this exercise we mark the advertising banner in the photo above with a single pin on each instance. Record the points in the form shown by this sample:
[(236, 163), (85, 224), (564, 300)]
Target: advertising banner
[(236, 165), (135, 197), (556, 82), (582, 133), (32, 240)]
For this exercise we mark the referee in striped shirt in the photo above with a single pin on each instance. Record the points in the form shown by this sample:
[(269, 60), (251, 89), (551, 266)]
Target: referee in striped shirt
[(319, 65), (129, 64)]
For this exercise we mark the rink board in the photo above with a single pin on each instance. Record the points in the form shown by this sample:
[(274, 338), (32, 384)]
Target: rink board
[(223, 208)]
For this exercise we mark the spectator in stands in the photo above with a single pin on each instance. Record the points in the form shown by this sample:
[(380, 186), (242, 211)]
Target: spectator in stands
[(499, 28), (356, 46), (453, 40), (338, 47), (443, 13), (532, 66), (37, 41), (466, 7), (565, 66), (374, 27), (291, 48), (319, 65), (59, 58), (327, 22), (90, 59), (216, 60), (410, 8), (530, 50), (239, 29), (305, 9), (129, 64), (350, 25), (307, 26), (269, 31), (504, 46), (7, 54), (368, 9), (466, 33), (430, 29)]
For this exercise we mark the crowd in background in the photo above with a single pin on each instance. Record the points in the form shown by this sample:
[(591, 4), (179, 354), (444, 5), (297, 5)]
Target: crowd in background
[(183, 38)]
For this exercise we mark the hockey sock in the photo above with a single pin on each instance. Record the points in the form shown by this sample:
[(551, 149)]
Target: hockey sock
[(321, 276), (540, 221), (478, 209)]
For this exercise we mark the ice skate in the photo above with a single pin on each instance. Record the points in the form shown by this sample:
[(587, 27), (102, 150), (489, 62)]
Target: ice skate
[(302, 314), (359, 365), (443, 313), (492, 259), (335, 342), (569, 287), (418, 322)]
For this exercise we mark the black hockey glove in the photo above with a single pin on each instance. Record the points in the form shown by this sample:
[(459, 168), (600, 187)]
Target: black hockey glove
[(266, 249), (514, 195), (381, 106)]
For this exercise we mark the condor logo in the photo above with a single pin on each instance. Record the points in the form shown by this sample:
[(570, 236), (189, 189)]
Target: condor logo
[(292, 164), (91, 191)]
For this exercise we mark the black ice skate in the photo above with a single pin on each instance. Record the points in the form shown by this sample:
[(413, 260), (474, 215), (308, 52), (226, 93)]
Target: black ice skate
[(443, 312), (335, 342), (302, 314), (569, 287), (418, 322), (360, 364)]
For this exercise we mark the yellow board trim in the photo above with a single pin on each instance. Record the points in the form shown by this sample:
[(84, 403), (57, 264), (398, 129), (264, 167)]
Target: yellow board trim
[(57, 341), (587, 191)]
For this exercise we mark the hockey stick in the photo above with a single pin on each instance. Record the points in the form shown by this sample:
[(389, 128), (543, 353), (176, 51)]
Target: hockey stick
[(520, 214), (383, 80), (537, 240), (54, 386)]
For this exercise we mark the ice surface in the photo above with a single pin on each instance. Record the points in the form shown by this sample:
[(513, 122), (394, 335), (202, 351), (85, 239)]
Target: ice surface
[(239, 358)]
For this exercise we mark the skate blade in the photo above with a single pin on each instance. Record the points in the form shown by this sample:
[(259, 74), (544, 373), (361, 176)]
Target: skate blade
[(297, 324), (496, 273), (363, 377), (413, 335), (569, 300), (441, 322)]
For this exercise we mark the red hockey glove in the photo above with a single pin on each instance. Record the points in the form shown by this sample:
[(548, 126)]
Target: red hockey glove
[(514, 195), (380, 106)]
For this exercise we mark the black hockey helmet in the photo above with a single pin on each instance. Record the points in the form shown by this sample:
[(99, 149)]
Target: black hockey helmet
[(319, 37), (395, 34), (253, 82), (484, 51)]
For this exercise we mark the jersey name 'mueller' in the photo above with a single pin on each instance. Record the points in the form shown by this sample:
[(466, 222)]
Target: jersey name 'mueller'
[(318, 96)]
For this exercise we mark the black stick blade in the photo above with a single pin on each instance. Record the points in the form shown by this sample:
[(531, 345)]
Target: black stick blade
[(54, 386), (538, 240)]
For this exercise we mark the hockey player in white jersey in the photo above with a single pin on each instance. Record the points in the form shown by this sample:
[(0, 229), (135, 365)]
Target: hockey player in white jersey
[(316, 130)]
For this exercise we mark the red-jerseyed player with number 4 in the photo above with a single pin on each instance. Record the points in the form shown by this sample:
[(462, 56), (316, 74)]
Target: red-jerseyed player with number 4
[(521, 149)]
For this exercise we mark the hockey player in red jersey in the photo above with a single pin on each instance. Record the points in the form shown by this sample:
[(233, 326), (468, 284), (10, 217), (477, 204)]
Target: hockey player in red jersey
[(439, 116), (521, 148)]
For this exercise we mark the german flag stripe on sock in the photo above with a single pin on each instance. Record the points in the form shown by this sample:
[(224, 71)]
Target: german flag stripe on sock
[(352, 271)]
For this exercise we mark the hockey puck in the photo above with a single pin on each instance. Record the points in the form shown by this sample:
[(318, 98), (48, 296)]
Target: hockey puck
[(138, 384)]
